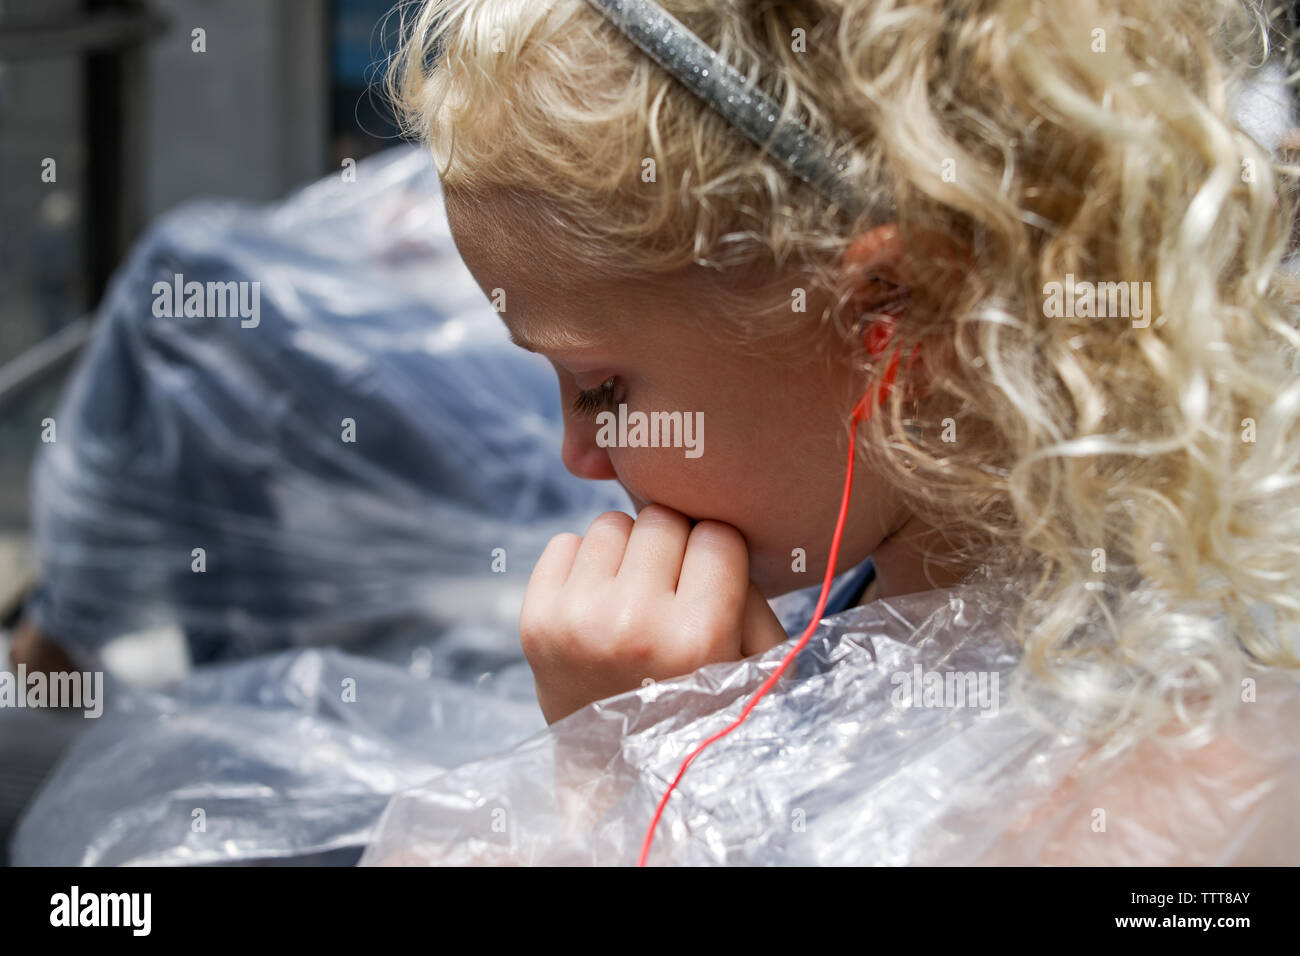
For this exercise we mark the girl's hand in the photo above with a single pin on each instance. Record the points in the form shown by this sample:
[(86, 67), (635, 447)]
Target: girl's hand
[(652, 598)]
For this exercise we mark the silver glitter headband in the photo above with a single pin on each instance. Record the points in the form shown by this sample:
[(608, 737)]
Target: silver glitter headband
[(702, 71)]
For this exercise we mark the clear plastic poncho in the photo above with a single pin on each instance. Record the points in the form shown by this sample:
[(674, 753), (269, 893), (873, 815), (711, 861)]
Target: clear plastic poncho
[(854, 761)]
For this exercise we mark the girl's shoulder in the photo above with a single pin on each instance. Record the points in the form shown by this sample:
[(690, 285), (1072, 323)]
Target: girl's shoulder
[(1234, 800)]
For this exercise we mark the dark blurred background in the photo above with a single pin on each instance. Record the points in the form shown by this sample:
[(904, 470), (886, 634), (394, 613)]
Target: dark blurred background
[(136, 121)]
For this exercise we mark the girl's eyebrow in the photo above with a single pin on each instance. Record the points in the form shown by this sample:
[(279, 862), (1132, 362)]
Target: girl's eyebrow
[(549, 340)]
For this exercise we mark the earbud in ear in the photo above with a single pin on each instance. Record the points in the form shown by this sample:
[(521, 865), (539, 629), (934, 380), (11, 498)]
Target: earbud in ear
[(877, 340), (878, 335), (876, 396)]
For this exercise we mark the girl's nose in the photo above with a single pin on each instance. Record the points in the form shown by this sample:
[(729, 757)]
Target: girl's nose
[(582, 456)]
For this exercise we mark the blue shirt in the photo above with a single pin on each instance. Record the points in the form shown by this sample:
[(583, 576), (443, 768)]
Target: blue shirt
[(794, 610)]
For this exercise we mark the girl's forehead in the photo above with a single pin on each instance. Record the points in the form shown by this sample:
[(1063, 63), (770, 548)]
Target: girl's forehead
[(554, 304), (496, 231)]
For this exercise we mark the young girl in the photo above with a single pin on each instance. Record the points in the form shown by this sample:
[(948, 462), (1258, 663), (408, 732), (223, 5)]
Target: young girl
[(1046, 267)]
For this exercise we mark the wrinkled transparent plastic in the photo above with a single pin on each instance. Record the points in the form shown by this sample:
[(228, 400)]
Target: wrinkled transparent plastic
[(838, 764), (844, 764), (280, 757)]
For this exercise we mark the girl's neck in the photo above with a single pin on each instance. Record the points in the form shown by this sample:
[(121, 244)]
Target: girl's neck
[(909, 560)]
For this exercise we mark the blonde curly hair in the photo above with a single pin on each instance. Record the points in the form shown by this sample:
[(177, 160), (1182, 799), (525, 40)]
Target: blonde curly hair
[(1136, 488)]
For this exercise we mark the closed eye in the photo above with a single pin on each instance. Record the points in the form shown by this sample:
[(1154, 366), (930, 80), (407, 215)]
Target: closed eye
[(592, 401)]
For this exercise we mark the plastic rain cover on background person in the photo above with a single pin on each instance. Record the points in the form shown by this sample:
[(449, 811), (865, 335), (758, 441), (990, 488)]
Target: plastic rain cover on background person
[(314, 473)]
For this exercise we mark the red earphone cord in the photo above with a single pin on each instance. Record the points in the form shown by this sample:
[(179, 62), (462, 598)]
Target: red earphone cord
[(861, 412)]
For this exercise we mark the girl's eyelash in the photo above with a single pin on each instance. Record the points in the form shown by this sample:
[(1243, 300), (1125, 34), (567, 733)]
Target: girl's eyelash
[(599, 399)]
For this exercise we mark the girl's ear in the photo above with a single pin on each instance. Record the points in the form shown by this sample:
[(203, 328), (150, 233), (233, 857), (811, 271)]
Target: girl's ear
[(878, 285), (880, 258), (877, 269), (878, 266)]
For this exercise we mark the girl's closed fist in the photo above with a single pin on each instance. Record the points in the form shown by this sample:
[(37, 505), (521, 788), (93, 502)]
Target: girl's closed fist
[(652, 597)]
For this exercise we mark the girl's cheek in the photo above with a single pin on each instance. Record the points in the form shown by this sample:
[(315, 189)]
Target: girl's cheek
[(664, 476), (632, 476)]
